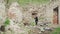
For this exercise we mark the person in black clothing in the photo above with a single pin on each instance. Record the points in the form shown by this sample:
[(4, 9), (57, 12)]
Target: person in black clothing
[(36, 20)]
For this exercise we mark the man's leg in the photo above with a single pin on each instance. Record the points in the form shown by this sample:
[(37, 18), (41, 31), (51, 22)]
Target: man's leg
[(36, 22)]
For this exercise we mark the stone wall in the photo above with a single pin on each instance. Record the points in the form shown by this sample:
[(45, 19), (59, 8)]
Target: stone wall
[(2, 12), (44, 11), (15, 12), (50, 7)]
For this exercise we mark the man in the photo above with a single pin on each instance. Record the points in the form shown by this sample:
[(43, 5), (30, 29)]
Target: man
[(36, 20)]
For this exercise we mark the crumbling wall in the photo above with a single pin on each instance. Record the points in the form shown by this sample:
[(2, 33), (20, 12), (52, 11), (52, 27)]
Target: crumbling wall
[(2, 12), (15, 12)]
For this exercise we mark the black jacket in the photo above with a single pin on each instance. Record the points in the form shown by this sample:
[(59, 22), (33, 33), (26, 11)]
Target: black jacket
[(36, 18)]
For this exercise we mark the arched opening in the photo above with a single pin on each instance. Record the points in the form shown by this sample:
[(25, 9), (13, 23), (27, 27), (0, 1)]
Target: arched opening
[(55, 16), (34, 15)]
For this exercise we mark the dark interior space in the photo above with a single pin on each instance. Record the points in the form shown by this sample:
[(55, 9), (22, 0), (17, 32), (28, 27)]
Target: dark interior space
[(55, 11)]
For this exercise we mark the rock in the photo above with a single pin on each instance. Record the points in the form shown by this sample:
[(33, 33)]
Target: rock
[(2, 28)]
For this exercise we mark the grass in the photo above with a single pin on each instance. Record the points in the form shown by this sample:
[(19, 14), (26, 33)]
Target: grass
[(25, 2), (56, 31)]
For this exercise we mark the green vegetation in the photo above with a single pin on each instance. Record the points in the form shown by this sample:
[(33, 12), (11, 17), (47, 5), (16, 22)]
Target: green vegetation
[(25, 2), (56, 31), (7, 22), (32, 23)]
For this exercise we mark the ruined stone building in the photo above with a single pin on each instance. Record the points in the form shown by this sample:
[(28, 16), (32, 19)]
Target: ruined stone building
[(49, 12), (46, 12)]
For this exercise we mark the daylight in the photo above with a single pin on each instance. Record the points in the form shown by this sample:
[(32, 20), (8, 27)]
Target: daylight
[(29, 16)]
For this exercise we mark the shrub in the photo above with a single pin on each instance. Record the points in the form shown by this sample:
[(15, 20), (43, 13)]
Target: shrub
[(7, 22)]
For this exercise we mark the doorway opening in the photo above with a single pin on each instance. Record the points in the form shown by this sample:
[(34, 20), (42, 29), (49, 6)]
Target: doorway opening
[(55, 16), (34, 15)]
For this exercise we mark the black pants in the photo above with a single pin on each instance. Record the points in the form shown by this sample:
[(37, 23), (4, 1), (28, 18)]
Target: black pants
[(36, 22)]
